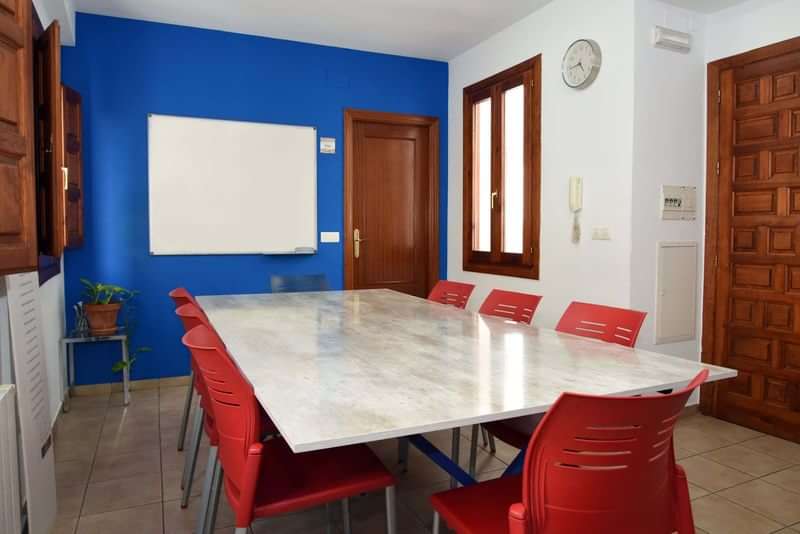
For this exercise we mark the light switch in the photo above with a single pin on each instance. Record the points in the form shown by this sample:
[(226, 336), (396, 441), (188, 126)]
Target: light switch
[(327, 145), (329, 237), (600, 233)]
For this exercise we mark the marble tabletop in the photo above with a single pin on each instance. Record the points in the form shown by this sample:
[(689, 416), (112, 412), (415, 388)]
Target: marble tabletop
[(342, 367)]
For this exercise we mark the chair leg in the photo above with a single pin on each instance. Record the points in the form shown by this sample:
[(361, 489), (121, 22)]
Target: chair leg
[(473, 451), (485, 435), (455, 453), (241, 530), (685, 519), (436, 522), (492, 444), (208, 485), (346, 515), (216, 489), (391, 510), (190, 462), (402, 453), (328, 519), (187, 408)]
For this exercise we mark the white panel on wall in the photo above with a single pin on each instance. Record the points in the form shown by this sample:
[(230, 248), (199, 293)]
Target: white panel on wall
[(230, 187), (30, 374), (676, 291)]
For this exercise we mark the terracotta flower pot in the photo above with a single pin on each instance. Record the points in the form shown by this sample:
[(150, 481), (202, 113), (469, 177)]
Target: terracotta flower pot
[(102, 318)]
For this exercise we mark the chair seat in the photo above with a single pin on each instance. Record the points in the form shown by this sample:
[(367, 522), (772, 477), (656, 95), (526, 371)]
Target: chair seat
[(289, 482), (480, 508)]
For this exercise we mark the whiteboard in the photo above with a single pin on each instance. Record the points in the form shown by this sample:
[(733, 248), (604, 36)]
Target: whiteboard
[(229, 187)]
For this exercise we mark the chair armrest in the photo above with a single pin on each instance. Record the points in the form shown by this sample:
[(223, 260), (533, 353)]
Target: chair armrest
[(518, 519)]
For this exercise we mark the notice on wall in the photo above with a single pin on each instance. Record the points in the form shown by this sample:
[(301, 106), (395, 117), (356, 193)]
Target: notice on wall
[(30, 376)]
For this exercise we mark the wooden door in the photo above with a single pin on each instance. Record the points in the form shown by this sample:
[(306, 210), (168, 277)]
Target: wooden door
[(49, 148), (71, 108), (17, 191), (391, 202), (757, 301)]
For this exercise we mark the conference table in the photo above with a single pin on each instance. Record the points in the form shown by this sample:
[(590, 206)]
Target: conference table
[(338, 368)]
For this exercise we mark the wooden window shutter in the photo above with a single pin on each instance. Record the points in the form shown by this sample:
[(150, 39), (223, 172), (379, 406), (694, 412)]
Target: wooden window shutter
[(73, 165), (17, 184)]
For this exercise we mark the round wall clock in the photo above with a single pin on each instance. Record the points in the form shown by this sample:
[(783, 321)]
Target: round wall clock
[(581, 63)]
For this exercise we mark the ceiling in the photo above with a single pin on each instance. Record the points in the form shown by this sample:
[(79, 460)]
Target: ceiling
[(433, 29), (705, 6)]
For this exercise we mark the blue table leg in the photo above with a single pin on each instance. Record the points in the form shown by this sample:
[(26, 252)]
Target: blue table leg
[(515, 467), (441, 459)]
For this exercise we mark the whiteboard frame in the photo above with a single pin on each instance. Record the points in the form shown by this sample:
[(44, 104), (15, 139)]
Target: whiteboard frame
[(296, 251)]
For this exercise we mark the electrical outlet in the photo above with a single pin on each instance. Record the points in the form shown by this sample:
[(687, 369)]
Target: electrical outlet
[(600, 233)]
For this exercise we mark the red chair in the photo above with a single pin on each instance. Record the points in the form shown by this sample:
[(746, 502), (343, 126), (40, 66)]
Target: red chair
[(613, 325), (518, 307), (604, 465), (181, 296), (266, 479), (451, 293), (192, 316)]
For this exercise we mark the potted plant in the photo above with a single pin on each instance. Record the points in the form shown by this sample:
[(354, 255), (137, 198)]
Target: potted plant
[(102, 306)]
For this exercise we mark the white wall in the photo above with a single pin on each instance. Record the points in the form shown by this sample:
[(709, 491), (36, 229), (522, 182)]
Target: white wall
[(64, 11), (669, 141), (587, 133), (751, 25)]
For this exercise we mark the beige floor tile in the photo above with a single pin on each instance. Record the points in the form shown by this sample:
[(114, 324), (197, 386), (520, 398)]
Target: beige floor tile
[(690, 438), (695, 492), (122, 493), (313, 521), (72, 473), (69, 501), (698, 530), (136, 396), (788, 479), (719, 427), (116, 441), (179, 520), (747, 460), (142, 519), (65, 526), (769, 500), (172, 483), (777, 447), (717, 515), (368, 514), (113, 467), (76, 448), (712, 476)]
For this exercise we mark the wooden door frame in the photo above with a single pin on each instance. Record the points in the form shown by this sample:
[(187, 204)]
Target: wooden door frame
[(708, 393), (351, 116)]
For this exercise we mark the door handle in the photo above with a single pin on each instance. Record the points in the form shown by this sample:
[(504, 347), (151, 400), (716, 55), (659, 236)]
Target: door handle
[(494, 198), (357, 243), (65, 176)]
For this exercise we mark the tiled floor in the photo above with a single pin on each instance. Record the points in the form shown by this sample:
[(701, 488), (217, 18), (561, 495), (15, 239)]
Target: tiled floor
[(118, 471)]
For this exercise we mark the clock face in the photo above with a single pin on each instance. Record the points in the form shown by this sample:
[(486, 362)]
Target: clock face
[(581, 63)]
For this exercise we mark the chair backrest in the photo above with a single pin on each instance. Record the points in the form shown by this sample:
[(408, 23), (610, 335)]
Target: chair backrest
[(451, 293), (613, 325), (191, 316), (298, 283), (181, 296), (607, 462), (518, 307), (232, 401)]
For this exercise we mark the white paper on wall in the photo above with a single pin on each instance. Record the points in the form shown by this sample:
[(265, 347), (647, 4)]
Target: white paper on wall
[(30, 373)]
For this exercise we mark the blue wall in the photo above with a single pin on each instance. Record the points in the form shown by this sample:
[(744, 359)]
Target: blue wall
[(126, 69)]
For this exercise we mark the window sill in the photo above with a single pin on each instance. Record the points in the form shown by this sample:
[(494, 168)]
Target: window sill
[(517, 271)]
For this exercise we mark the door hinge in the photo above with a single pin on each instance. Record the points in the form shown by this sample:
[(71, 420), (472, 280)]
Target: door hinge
[(718, 168), (719, 96)]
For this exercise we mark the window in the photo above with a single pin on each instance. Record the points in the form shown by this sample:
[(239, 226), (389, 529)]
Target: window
[(502, 172)]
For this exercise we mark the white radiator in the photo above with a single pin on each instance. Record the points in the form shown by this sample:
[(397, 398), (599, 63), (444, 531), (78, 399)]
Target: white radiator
[(9, 463)]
